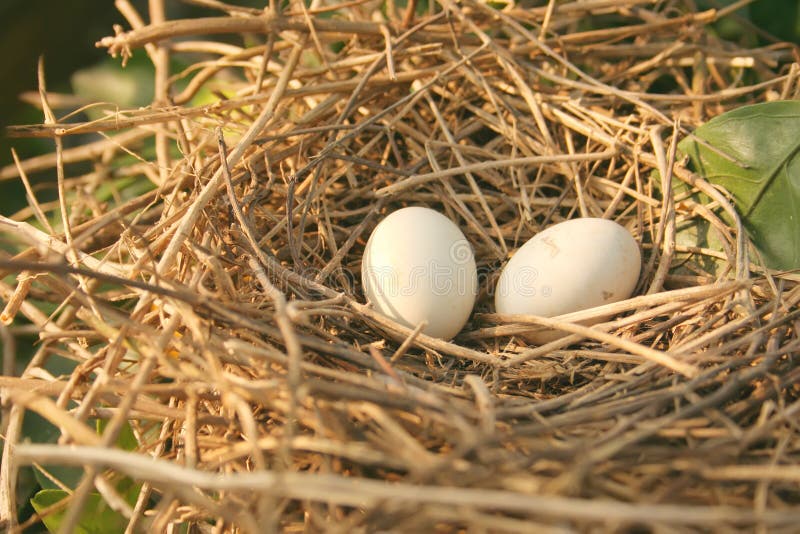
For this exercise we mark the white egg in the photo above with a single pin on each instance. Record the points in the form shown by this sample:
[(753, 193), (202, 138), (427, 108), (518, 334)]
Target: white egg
[(571, 266), (418, 266)]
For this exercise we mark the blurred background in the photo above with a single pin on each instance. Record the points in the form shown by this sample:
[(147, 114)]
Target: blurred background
[(63, 33)]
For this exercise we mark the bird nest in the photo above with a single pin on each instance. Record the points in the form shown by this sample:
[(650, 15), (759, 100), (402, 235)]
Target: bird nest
[(200, 280)]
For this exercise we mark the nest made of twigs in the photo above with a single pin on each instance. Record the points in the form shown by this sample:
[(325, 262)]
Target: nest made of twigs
[(212, 301)]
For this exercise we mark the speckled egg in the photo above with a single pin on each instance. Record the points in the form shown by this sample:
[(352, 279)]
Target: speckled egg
[(570, 266)]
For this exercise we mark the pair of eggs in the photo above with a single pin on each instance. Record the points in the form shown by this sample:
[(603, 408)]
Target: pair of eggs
[(418, 267)]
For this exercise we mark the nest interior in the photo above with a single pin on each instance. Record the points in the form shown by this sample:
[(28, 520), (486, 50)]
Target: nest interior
[(202, 276)]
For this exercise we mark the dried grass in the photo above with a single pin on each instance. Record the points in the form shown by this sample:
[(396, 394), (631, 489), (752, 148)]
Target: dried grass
[(220, 312)]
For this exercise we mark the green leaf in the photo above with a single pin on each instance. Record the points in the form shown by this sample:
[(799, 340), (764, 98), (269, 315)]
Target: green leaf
[(126, 439), (753, 153), (107, 81), (97, 516), (37, 429)]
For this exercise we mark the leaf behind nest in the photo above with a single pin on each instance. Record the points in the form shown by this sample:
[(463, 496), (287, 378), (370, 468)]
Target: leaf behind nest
[(753, 153)]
